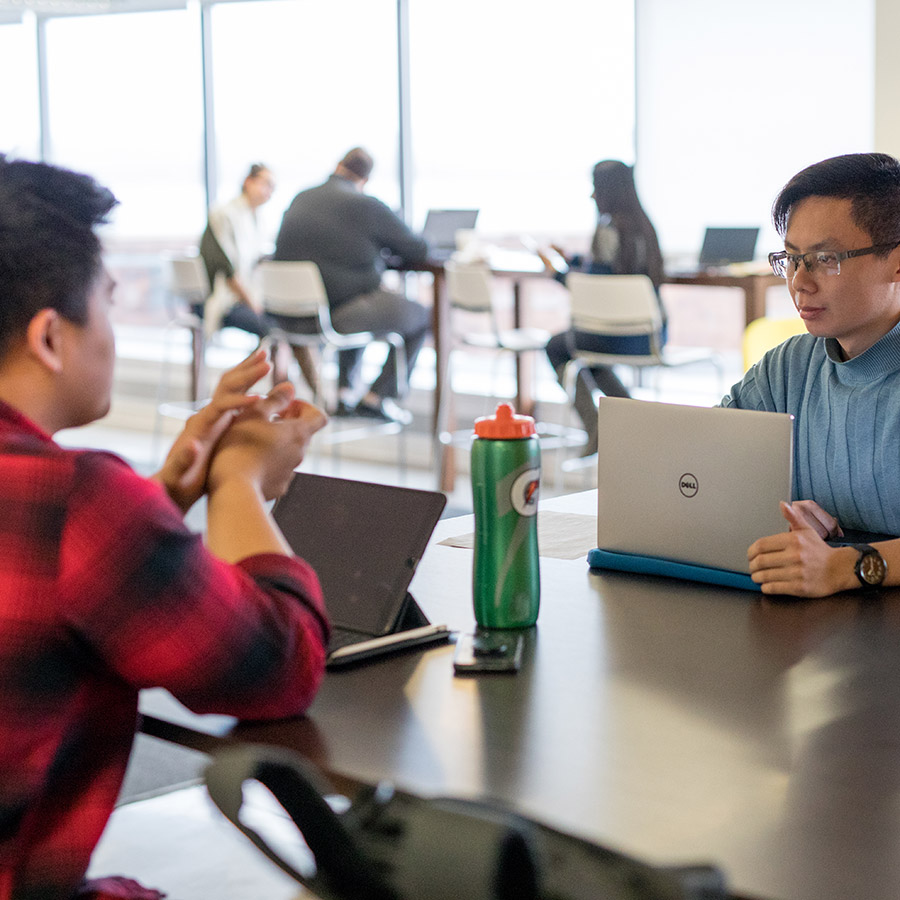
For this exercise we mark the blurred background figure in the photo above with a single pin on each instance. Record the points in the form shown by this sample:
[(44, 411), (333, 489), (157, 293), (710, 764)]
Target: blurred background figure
[(624, 243), (347, 234), (231, 247)]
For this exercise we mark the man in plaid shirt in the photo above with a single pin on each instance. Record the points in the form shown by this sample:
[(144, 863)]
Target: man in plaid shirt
[(103, 590)]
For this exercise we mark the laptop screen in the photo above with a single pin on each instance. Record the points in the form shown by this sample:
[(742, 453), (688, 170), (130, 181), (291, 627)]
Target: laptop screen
[(723, 246), (441, 226), (364, 541)]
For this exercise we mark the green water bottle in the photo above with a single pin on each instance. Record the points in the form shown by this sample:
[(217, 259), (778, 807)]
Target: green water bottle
[(506, 473)]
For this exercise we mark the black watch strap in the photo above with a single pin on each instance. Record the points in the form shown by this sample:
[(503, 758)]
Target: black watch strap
[(870, 567)]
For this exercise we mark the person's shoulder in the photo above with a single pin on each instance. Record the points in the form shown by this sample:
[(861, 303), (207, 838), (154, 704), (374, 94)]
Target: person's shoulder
[(798, 350)]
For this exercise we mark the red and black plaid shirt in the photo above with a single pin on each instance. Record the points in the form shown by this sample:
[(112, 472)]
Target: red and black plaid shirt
[(103, 591)]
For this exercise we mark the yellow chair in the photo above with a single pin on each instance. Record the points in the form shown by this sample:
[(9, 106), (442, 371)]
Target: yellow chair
[(764, 334)]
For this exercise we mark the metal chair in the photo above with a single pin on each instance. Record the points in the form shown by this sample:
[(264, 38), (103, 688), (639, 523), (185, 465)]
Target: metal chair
[(469, 290), (188, 286), (624, 305), (294, 294)]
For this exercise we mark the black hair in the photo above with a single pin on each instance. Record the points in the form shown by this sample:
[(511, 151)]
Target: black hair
[(256, 170), (871, 181), (616, 196), (49, 253)]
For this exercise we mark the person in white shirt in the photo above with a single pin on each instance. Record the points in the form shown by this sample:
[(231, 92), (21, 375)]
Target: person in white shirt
[(231, 247)]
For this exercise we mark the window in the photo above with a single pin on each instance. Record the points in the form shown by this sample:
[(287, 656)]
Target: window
[(126, 105), (299, 83), (513, 102), (19, 114)]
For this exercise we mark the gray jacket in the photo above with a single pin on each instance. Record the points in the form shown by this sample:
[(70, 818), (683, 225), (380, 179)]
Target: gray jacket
[(346, 234)]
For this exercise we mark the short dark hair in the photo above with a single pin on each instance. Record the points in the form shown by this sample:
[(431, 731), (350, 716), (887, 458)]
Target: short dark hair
[(49, 253), (871, 181), (359, 162)]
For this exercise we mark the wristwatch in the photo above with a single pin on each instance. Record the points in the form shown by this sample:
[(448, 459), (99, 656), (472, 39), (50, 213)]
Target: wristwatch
[(870, 567)]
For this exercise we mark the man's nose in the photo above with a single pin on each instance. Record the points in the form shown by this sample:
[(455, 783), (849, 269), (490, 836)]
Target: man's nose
[(802, 280)]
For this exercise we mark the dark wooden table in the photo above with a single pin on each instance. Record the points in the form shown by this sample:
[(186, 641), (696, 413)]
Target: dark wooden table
[(517, 265), (671, 721), (753, 284)]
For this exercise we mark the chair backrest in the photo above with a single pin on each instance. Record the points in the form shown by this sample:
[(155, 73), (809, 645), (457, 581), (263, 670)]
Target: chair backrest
[(763, 334), (293, 289), (188, 278), (613, 304), (469, 286)]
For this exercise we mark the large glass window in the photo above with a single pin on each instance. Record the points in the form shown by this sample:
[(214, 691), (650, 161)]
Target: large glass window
[(126, 105), (299, 83), (729, 112), (513, 101), (19, 112)]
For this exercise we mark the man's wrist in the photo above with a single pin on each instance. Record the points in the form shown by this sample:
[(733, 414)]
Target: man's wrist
[(843, 569)]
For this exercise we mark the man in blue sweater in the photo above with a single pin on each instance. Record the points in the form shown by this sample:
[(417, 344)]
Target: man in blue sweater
[(840, 220)]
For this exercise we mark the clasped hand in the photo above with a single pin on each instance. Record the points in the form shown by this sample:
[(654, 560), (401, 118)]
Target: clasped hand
[(239, 434)]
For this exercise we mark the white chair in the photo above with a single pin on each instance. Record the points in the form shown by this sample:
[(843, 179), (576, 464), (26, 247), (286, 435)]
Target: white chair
[(470, 294), (295, 290), (295, 293), (624, 306), (469, 290), (188, 286), (621, 306)]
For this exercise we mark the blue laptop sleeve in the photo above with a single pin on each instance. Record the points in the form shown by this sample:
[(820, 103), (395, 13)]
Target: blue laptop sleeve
[(652, 565)]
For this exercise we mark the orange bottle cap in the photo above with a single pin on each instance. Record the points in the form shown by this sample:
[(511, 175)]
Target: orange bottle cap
[(504, 424)]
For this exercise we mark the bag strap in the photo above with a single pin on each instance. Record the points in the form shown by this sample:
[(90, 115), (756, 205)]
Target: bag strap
[(342, 869)]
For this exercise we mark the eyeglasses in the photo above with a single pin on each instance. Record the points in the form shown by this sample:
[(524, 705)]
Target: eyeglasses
[(825, 261)]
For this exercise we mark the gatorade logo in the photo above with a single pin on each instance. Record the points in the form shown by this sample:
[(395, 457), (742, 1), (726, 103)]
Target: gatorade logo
[(687, 484), (524, 492)]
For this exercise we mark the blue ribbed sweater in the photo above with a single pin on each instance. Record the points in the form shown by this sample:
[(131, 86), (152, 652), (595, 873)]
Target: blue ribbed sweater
[(846, 424)]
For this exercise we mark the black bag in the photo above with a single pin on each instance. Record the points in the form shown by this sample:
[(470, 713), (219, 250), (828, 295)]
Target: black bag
[(391, 845)]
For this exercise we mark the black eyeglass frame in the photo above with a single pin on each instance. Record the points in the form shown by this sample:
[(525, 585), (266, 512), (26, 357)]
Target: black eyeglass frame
[(778, 260)]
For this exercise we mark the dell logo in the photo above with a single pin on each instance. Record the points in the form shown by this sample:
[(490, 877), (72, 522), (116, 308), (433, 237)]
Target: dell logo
[(687, 484)]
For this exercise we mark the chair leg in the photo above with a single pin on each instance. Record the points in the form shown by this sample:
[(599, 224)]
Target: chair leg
[(308, 368), (198, 364)]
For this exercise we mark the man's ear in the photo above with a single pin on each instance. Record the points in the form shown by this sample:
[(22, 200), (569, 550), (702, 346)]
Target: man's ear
[(43, 339), (895, 256)]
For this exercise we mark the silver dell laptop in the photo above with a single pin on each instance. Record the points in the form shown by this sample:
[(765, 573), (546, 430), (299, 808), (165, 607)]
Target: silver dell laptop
[(690, 486)]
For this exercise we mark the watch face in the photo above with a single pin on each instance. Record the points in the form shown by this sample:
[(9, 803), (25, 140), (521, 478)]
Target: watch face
[(872, 568)]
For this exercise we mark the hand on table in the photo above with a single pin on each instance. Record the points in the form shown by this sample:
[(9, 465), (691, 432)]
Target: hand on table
[(799, 562)]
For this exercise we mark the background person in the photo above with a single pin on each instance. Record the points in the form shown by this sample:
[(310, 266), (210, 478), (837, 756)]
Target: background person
[(103, 590), (840, 220), (231, 247), (347, 234), (624, 243)]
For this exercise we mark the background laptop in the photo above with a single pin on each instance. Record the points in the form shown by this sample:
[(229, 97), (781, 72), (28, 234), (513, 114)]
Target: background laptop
[(440, 230), (688, 485), (364, 541), (723, 246)]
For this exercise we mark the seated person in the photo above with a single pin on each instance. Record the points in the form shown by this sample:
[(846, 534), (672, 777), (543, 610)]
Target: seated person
[(840, 220), (103, 590), (624, 244), (231, 247), (346, 233)]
